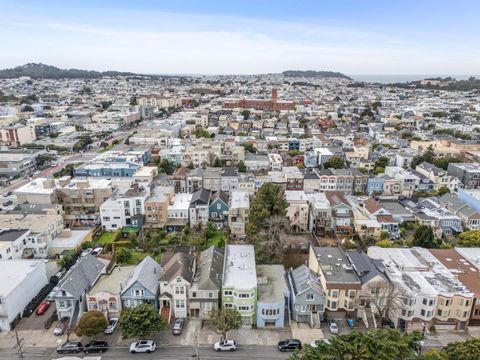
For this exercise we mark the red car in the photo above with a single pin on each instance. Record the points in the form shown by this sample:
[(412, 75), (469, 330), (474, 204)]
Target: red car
[(43, 307)]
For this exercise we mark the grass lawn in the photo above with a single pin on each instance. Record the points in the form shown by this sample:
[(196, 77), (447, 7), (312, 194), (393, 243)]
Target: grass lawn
[(218, 239), (137, 256), (107, 237)]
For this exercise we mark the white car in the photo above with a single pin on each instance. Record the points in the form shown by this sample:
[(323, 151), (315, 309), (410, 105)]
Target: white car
[(332, 326), (225, 345), (112, 325), (143, 346), (86, 252), (314, 343), (97, 251)]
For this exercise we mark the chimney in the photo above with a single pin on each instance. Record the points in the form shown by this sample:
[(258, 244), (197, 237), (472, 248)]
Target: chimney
[(274, 94)]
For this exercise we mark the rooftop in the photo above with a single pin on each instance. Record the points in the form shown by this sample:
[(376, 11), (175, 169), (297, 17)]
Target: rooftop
[(14, 272), (272, 287), (335, 265), (112, 283), (239, 267)]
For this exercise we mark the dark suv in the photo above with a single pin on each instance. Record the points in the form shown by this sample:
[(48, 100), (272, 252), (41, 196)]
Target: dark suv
[(95, 347), (70, 347), (289, 345)]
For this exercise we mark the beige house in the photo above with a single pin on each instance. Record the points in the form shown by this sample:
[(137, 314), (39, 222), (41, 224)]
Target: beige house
[(156, 206), (105, 294), (337, 277), (238, 213)]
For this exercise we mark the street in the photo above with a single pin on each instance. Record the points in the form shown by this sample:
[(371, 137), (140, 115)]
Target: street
[(162, 352)]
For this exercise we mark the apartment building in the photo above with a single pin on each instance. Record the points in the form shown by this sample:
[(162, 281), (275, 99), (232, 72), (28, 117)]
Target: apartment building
[(337, 277), (239, 282), (320, 214), (467, 173), (17, 135), (439, 176), (297, 210), (124, 208), (43, 229), (238, 211), (409, 182), (156, 206)]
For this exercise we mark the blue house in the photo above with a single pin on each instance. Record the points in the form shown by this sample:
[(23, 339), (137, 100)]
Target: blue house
[(293, 144), (218, 208), (143, 286), (273, 296), (310, 159), (375, 185)]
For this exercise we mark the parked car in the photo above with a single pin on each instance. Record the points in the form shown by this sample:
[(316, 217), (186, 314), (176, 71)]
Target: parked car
[(112, 325), (86, 252), (225, 345), (97, 251), (43, 307), (178, 326), (8, 203), (289, 345), (95, 347), (8, 193), (61, 327), (315, 343), (143, 346), (332, 326), (70, 347)]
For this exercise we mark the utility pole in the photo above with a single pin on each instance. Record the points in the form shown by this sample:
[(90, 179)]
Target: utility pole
[(19, 345), (197, 350)]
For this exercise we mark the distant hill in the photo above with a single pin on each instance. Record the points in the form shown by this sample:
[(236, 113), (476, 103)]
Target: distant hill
[(42, 71), (315, 74)]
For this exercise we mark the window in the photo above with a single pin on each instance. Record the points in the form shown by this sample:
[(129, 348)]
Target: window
[(137, 292), (422, 312), (243, 296), (243, 308), (180, 304), (228, 306), (334, 293), (92, 305), (194, 294), (228, 293), (179, 290), (310, 297)]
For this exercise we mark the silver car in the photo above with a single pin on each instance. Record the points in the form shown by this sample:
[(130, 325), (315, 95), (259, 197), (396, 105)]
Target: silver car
[(178, 326), (112, 325)]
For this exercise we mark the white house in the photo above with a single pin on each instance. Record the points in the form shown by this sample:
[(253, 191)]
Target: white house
[(20, 282)]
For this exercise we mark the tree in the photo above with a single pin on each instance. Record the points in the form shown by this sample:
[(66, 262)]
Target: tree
[(104, 144), (166, 167), (28, 108), (424, 237), (246, 114), (140, 321), (224, 320), (371, 345), (335, 162), (53, 134), (380, 164), (465, 350), (123, 255), (443, 190), (91, 323), (469, 238), (269, 201), (250, 148), (217, 162), (241, 167), (385, 297), (133, 101)]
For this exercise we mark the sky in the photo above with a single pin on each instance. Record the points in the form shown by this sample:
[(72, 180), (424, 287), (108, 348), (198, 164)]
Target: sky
[(244, 36)]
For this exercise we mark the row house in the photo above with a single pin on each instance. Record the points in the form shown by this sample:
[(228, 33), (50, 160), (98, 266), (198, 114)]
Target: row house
[(156, 206), (320, 214), (467, 173), (438, 176), (342, 215), (409, 181), (337, 277), (175, 284), (430, 212), (429, 293), (297, 210), (238, 212), (469, 216), (124, 209), (218, 208)]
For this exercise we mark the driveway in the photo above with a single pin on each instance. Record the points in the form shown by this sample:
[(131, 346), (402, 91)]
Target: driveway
[(35, 322), (305, 333)]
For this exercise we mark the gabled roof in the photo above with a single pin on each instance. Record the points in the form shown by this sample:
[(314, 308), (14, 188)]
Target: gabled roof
[(146, 274), (302, 279), (219, 195), (82, 276), (200, 197), (364, 266), (210, 269), (372, 205), (180, 264)]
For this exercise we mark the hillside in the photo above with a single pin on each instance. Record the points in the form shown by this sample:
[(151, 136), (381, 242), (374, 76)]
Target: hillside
[(315, 74), (42, 71)]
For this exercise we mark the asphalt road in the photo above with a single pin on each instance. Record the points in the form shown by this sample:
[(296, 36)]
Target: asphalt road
[(166, 353)]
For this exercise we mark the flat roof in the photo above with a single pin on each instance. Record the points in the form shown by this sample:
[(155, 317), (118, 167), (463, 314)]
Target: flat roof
[(272, 286), (239, 267), (239, 199), (112, 283), (14, 272), (335, 265)]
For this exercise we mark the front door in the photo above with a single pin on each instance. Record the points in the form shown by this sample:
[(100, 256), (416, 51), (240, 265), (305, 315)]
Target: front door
[(314, 309)]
